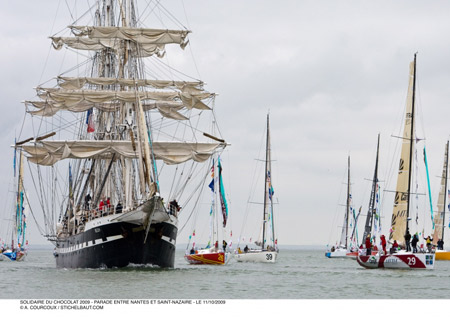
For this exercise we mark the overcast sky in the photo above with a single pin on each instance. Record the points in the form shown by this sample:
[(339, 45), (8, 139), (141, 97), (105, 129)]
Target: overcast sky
[(333, 74)]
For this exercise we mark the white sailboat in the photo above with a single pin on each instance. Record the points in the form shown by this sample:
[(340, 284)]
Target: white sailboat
[(267, 252), (439, 220), (347, 246), (403, 259)]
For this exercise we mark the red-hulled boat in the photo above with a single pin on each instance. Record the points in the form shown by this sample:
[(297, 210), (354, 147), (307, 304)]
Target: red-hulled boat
[(208, 256)]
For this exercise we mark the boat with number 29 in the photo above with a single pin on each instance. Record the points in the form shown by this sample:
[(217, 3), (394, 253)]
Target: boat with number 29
[(404, 258)]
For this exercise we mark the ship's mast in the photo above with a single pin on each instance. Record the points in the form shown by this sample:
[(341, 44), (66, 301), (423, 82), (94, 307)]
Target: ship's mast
[(372, 209), (411, 145), (266, 185), (445, 191), (348, 202)]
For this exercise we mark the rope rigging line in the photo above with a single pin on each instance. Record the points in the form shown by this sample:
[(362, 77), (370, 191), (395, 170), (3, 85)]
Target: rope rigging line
[(201, 185)]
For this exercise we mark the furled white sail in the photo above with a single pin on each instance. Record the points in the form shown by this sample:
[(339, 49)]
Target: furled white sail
[(73, 97), (138, 35), (49, 152), (49, 108), (440, 215), (399, 213), (79, 82), (149, 41)]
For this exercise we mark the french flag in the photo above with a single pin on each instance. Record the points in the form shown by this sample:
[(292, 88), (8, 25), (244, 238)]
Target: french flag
[(90, 121)]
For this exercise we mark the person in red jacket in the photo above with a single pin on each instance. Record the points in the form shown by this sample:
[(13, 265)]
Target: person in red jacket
[(368, 246), (394, 247), (383, 243)]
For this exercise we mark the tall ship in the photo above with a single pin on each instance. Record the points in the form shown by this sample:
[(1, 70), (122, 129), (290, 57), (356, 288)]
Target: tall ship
[(119, 140)]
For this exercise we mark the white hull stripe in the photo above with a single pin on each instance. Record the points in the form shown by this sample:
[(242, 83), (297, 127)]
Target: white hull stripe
[(168, 239), (84, 245), (100, 241)]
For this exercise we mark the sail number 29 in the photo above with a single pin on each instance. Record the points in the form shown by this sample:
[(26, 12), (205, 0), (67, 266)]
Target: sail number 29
[(411, 261)]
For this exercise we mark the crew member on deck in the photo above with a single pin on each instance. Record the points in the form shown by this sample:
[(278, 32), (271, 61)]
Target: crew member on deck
[(87, 200), (383, 243), (368, 246), (394, 247), (174, 207), (119, 208), (414, 242), (429, 245), (407, 241)]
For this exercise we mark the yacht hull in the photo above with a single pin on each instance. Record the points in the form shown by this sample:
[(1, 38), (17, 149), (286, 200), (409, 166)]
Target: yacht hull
[(257, 257), (13, 256), (209, 258), (398, 261), (442, 255)]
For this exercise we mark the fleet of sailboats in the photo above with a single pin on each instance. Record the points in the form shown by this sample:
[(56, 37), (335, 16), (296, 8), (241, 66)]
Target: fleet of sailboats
[(102, 179)]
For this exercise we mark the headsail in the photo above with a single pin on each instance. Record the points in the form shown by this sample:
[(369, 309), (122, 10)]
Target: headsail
[(401, 201)]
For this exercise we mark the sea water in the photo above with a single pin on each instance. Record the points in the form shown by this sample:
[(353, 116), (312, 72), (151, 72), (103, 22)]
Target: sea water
[(299, 273)]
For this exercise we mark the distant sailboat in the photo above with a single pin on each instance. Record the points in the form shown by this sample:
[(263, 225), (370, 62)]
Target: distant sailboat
[(347, 247), (439, 221), (268, 251), (400, 216), (19, 243), (373, 219)]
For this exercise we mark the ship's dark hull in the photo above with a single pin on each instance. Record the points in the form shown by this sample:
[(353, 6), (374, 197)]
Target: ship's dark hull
[(118, 245)]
